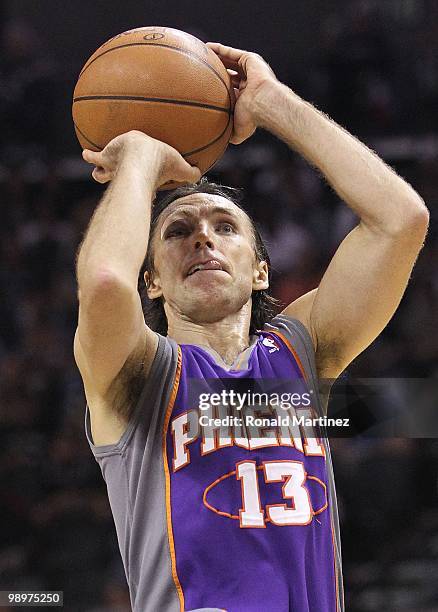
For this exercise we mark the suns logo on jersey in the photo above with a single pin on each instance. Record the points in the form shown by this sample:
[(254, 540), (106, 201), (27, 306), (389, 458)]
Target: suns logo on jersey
[(271, 344)]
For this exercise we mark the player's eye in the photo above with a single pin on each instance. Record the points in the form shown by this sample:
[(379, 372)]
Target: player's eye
[(176, 231), (226, 228)]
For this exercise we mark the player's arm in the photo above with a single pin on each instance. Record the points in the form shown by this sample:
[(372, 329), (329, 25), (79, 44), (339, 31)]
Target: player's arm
[(368, 274), (111, 329)]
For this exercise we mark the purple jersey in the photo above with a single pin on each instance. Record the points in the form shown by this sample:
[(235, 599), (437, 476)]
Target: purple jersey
[(247, 506), (249, 519)]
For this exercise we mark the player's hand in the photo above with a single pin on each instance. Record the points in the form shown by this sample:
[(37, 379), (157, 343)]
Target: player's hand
[(161, 163), (250, 75)]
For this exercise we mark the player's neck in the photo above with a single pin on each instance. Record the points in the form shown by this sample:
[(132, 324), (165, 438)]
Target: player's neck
[(228, 337)]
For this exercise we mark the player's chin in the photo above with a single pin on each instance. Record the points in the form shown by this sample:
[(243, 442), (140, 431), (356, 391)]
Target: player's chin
[(211, 291)]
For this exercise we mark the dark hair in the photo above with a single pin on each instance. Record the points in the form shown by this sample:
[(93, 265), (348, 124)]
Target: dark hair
[(264, 305)]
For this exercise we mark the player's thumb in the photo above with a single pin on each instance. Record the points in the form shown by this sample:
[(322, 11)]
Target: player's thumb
[(188, 173), (92, 157)]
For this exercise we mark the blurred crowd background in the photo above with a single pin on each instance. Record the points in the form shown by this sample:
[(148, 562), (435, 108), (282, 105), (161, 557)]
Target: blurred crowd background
[(374, 68)]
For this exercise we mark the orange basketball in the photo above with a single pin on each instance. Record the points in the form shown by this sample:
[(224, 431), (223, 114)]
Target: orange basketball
[(163, 82)]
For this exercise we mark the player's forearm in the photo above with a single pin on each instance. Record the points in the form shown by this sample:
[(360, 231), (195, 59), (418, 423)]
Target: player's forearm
[(373, 190), (117, 237)]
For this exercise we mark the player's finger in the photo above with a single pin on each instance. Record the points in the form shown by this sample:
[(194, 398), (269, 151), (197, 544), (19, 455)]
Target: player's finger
[(229, 63), (186, 172), (100, 175), (194, 174), (229, 53), (235, 81), (92, 157), (235, 76), (229, 57), (236, 140), (95, 175)]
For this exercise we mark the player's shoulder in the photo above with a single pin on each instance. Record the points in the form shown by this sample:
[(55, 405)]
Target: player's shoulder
[(295, 337), (110, 414), (150, 363), (291, 328)]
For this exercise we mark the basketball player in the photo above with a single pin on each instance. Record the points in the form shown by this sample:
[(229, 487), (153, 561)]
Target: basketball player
[(215, 514)]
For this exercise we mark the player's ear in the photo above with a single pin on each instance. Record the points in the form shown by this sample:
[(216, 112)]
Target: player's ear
[(153, 286), (260, 276)]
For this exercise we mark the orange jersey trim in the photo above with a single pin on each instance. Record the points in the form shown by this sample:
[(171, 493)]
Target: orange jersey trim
[(335, 567), (293, 351), (167, 478), (297, 359)]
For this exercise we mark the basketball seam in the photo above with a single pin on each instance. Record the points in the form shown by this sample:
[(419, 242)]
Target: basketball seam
[(209, 167), (209, 144), (184, 51), (86, 138), (145, 99)]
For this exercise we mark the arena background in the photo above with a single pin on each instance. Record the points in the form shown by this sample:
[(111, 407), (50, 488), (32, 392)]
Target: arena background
[(373, 67)]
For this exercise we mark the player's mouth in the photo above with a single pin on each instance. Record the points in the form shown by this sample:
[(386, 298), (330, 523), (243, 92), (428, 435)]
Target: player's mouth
[(208, 264)]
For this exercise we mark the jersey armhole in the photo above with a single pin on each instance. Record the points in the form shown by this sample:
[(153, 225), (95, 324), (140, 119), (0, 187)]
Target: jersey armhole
[(155, 373), (292, 329)]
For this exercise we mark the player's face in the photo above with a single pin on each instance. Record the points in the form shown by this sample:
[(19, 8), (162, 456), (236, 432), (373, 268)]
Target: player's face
[(205, 264)]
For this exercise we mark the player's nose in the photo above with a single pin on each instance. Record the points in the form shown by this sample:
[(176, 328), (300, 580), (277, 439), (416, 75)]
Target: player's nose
[(203, 235)]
